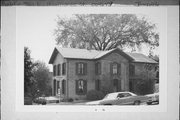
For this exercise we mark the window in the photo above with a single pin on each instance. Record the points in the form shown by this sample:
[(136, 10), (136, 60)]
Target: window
[(81, 68), (121, 95), (116, 85), (63, 68), (81, 87), (58, 86), (54, 87), (63, 86), (54, 70), (131, 70), (97, 84), (98, 68), (115, 68), (59, 69)]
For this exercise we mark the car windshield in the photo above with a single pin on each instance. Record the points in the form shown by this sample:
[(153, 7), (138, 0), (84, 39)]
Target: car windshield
[(110, 96)]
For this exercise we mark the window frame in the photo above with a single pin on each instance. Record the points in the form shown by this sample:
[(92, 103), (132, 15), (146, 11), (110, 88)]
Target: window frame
[(59, 70), (63, 86), (64, 68), (84, 89), (118, 68), (98, 68), (115, 69), (81, 68), (54, 70), (97, 85), (124, 95)]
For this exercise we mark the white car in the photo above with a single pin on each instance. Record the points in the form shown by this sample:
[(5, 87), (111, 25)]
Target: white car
[(46, 100), (120, 98), (153, 98)]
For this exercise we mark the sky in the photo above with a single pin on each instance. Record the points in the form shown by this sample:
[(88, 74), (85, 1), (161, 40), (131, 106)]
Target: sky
[(35, 27)]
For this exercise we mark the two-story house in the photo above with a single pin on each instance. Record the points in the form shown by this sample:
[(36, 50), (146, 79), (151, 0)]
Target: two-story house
[(76, 71)]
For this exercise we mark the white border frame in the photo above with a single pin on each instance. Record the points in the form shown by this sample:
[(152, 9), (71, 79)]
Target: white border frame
[(8, 82), (162, 107)]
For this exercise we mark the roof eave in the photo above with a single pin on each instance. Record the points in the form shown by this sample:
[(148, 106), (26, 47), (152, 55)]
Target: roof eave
[(55, 52), (145, 62)]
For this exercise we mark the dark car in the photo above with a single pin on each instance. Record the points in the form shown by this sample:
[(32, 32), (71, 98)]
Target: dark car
[(120, 98)]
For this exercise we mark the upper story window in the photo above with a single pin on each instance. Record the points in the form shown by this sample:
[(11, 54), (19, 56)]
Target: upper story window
[(131, 70), (98, 68), (59, 69), (54, 70), (81, 68), (115, 68), (63, 68)]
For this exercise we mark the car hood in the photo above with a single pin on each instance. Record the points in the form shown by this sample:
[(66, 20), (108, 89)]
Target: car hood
[(154, 94), (97, 102)]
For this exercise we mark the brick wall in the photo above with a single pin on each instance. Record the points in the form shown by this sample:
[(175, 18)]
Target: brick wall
[(106, 75), (59, 60), (72, 77)]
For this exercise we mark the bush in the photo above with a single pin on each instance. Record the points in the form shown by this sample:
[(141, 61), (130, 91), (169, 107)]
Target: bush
[(94, 95), (67, 100), (106, 90), (144, 87), (70, 100)]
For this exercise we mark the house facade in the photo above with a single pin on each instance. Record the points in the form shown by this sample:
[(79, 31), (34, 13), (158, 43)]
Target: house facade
[(77, 71)]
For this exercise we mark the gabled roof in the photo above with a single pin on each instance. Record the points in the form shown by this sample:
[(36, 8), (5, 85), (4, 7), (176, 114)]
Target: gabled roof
[(73, 53), (138, 57)]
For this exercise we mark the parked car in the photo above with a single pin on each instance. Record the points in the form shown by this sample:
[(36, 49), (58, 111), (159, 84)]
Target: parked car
[(153, 98), (120, 98), (46, 100)]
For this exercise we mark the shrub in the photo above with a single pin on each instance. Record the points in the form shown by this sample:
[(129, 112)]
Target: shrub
[(144, 87), (94, 95), (67, 100), (70, 100), (106, 90)]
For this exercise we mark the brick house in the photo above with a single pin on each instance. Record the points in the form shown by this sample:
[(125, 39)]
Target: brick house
[(76, 71)]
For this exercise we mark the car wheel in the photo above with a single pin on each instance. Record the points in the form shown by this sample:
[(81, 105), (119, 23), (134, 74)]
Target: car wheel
[(149, 103), (137, 102), (44, 103)]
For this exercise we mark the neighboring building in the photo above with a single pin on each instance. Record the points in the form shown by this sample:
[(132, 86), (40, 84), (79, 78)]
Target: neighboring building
[(76, 71)]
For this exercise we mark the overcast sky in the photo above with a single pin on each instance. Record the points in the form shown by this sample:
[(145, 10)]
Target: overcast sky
[(35, 26)]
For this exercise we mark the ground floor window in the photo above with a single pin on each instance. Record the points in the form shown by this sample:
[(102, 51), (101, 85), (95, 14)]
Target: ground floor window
[(81, 87), (54, 87), (58, 86), (63, 86), (115, 85), (130, 86), (97, 84)]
